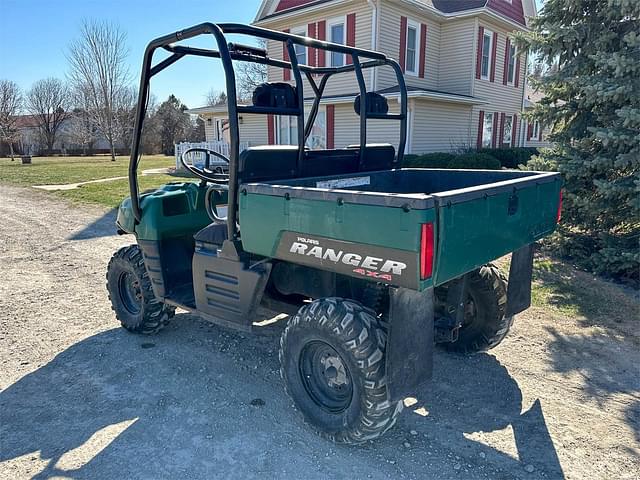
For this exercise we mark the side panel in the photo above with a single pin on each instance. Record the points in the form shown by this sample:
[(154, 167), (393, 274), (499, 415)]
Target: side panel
[(479, 230)]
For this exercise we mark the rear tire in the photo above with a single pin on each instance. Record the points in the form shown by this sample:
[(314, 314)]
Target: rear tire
[(131, 295), (485, 324), (332, 357)]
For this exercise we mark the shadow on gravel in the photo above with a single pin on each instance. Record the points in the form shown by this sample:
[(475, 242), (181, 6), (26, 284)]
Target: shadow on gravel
[(199, 401), (105, 226)]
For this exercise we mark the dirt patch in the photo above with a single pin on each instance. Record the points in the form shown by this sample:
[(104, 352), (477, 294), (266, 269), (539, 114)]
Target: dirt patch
[(80, 397)]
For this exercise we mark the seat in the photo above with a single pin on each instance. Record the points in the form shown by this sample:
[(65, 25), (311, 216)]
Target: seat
[(377, 156), (267, 162), (216, 233)]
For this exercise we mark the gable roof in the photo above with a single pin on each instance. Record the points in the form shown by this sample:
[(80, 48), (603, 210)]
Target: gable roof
[(516, 10)]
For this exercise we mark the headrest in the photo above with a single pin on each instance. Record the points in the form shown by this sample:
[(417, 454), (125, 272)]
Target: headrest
[(276, 94), (376, 103)]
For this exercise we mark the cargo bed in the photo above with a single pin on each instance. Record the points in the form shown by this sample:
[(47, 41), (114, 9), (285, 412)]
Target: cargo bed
[(477, 216)]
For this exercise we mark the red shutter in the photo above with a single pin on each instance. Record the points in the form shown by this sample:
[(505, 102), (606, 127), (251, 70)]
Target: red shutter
[(330, 126), (517, 82), (286, 73), (351, 34), (311, 28), (423, 48), (529, 130), (403, 42), (501, 137), (514, 130), (505, 74), (479, 52), (271, 129), (494, 50), (480, 123), (495, 129), (322, 35)]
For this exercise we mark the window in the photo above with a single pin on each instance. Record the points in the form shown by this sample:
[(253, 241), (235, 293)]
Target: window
[(336, 35), (487, 130), (287, 131), (487, 41), (411, 60), (535, 133), (507, 130), (511, 65), (318, 138), (301, 50)]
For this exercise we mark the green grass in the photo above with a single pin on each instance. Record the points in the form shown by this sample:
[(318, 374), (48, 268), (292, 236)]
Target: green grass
[(110, 194), (61, 170)]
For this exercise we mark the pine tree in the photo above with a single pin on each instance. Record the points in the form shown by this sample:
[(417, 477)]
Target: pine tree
[(592, 102)]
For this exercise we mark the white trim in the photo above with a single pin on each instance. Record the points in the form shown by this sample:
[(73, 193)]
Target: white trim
[(512, 82), (489, 33), (305, 12), (340, 20), (416, 57)]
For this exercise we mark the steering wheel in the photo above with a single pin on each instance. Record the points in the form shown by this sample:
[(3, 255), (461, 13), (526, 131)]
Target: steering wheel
[(217, 177)]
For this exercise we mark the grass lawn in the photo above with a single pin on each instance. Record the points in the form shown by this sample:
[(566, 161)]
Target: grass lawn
[(110, 194), (60, 170)]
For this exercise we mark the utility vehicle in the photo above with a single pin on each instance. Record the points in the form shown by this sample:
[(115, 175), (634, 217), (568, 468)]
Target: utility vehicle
[(373, 262)]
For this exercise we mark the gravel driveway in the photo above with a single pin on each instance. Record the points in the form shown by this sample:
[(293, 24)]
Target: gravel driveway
[(81, 398)]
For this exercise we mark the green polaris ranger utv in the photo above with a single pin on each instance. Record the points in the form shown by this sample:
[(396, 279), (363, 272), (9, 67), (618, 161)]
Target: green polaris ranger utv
[(375, 263)]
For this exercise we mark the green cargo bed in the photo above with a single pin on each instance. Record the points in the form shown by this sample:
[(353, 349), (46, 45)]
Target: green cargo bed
[(476, 216)]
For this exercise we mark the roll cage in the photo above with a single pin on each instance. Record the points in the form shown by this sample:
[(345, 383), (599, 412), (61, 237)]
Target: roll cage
[(229, 51)]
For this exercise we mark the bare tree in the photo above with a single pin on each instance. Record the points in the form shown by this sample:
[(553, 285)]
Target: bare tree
[(125, 115), (249, 75), (98, 65), (10, 105), (214, 97), (48, 101), (82, 129)]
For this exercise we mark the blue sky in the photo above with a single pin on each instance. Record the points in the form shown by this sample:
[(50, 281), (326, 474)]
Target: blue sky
[(34, 35)]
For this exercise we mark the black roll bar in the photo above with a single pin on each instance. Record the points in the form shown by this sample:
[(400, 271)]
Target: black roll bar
[(229, 52)]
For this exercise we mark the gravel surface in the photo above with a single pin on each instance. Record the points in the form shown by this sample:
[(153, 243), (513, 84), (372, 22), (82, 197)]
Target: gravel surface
[(82, 398)]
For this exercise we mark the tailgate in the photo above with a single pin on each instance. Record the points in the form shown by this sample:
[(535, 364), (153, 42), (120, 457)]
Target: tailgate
[(479, 224)]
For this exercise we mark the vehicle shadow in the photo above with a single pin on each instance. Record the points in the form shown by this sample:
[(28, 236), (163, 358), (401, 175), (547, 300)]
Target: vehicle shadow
[(105, 226), (200, 401)]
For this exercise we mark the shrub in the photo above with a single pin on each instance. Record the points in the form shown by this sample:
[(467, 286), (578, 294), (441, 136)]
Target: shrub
[(475, 160), (511, 157), (430, 160), (449, 160)]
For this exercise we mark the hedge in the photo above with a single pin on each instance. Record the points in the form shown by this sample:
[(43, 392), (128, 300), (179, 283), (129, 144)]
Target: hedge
[(449, 160)]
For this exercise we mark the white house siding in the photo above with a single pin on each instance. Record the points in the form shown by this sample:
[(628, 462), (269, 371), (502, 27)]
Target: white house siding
[(389, 44), (338, 84), (439, 126), (253, 128), (347, 127), (457, 59), (501, 98)]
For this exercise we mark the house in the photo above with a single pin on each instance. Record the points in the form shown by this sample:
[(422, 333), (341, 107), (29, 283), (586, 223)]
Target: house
[(465, 76)]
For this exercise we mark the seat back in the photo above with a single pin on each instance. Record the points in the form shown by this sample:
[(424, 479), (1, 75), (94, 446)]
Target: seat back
[(268, 162), (377, 156)]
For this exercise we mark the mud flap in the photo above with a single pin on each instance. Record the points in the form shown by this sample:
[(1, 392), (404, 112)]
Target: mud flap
[(520, 273), (409, 341)]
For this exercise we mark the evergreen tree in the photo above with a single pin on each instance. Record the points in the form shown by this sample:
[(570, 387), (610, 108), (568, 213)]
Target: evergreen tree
[(592, 102)]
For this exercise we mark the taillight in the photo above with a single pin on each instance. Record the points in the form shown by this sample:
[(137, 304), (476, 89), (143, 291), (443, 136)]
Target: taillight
[(426, 251), (559, 214)]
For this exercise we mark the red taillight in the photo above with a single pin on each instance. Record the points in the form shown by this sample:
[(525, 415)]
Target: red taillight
[(426, 251), (559, 214)]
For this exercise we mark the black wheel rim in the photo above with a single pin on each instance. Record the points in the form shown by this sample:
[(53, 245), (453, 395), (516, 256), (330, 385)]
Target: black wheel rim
[(326, 377), (130, 293), (470, 311)]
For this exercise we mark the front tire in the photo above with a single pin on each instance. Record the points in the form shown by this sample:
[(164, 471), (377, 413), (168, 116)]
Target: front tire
[(332, 357), (131, 294)]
